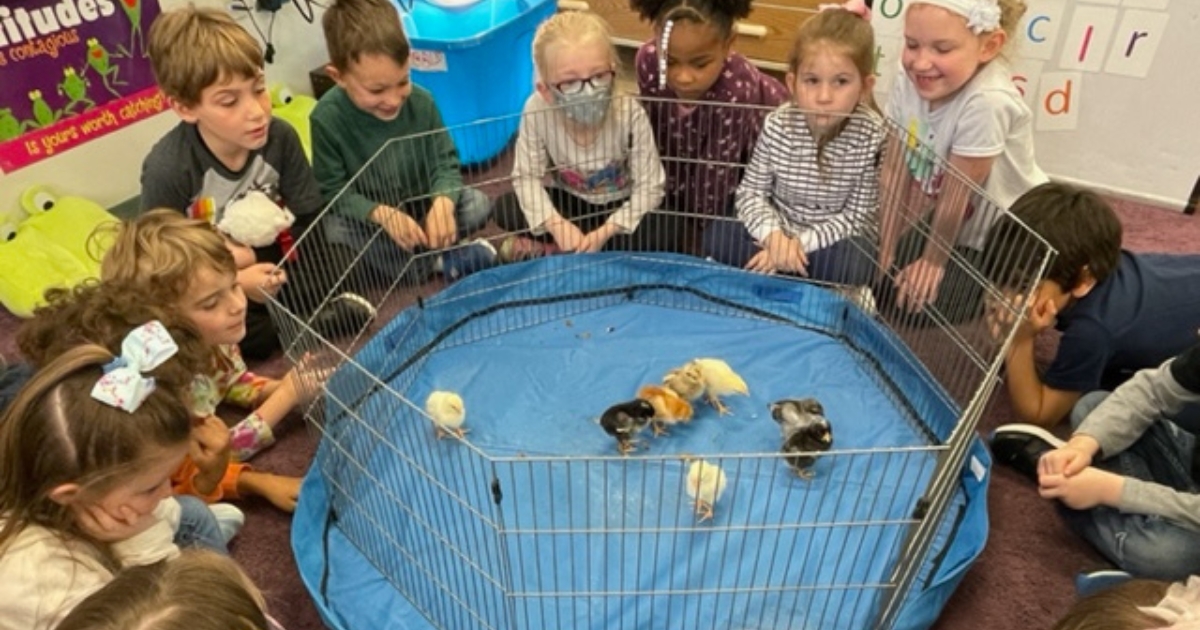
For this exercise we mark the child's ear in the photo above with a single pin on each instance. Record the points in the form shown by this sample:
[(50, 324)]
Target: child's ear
[(1086, 283), (993, 43), (544, 90), (185, 112), (65, 494), (333, 73), (790, 82), (868, 87)]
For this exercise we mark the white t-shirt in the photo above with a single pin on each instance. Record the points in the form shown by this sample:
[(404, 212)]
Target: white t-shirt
[(46, 574), (986, 118)]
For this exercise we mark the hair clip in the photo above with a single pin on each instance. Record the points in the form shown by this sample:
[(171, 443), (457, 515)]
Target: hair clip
[(857, 7), (662, 54), (144, 348)]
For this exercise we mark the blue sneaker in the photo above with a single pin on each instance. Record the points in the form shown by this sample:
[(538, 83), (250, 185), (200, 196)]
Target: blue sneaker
[(466, 260), (1091, 582)]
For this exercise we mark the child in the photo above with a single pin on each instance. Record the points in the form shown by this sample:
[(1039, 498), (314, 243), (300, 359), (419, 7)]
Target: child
[(955, 96), (598, 150), (1136, 605), (196, 590), (415, 191), (811, 187), (1118, 312), (183, 267), (1139, 502), (84, 482), (227, 147), (690, 58)]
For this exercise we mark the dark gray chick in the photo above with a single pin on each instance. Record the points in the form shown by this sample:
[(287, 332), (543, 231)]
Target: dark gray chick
[(804, 429), (624, 420)]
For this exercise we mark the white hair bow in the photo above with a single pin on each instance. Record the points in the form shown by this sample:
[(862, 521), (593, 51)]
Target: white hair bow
[(144, 348), (1180, 607), (983, 16)]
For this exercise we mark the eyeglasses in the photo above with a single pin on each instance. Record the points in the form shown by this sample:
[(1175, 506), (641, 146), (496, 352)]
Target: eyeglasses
[(575, 86)]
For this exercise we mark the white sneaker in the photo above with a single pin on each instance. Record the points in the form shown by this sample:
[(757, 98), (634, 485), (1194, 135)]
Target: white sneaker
[(229, 518)]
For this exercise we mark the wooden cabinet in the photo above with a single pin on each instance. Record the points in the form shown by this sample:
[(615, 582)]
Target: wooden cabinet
[(765, 36)]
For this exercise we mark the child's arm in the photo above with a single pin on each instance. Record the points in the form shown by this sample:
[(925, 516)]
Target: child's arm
[(863, 201), (530, 165), (297, 183), (753, 196), (446, 185), (333, 172), (918, 283), (646, 171), (164, 183), (281, 491)]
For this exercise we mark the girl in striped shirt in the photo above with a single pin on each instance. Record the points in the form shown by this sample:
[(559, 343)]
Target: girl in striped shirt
[(811, 188)]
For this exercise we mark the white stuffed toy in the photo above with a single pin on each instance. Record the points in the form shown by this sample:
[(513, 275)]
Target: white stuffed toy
[(255, 220)]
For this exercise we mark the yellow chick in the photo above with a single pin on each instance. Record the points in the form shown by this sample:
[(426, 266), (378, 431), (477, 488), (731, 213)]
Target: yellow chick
[(687, 381), (719, 380), (705, 484), (669, 407), (448, 413)]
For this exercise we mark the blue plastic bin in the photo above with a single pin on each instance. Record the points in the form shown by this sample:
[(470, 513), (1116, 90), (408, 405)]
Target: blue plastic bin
[(475, 58)]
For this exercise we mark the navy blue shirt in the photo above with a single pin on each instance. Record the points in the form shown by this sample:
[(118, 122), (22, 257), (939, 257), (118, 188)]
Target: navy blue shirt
[(1146, 312)]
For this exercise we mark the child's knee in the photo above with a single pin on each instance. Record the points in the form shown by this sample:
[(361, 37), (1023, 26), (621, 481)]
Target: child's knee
[(473, 209), (1085, 405)]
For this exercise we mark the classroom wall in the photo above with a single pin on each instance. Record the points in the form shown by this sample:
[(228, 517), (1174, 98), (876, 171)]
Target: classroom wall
[(107, 169), (1113, 84)]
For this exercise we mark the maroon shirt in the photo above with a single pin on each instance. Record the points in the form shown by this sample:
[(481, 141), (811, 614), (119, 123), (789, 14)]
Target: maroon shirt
[(715, 135)]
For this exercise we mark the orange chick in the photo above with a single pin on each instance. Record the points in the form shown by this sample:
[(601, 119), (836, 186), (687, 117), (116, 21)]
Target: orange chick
[(669, 407)]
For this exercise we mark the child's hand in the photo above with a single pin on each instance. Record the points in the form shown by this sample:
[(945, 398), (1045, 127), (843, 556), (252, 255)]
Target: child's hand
[(1000, 312), (281, 491), (780, 253), (243, 256), (209, 448), (261, 280), (594, 241), (1087, 489), (441, 230), (917, 285), (121, 523), (566, 235), (402, 229), (1039, 317), (1071, 458)]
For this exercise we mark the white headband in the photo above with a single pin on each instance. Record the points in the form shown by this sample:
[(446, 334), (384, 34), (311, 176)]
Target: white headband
[(982, 15), (1180, 607)]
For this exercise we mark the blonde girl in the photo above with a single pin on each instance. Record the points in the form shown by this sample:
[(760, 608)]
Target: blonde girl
[(956, 100), (85, 466), (598, 151)]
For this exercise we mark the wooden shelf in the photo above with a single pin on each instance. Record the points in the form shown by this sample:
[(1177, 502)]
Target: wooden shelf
[(765, 36)]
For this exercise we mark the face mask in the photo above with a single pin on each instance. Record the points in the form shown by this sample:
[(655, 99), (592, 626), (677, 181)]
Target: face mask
[(588, 106)]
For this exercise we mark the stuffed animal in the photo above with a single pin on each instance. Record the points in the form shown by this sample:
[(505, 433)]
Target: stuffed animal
[(294, 109), (255, 220), (50, 247)]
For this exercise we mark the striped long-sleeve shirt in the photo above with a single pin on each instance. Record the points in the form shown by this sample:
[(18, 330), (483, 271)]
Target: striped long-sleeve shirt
[(818, 201)]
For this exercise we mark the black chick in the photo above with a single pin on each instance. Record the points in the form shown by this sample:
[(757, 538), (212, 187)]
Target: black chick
[(804, 429), (624, 420)]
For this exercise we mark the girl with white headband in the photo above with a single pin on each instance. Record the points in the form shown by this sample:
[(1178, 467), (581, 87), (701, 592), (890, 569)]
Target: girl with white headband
[(704, 134), (956, 97)]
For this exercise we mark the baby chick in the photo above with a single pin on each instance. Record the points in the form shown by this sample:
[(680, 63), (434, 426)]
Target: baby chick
[(669, 407), (687, 381), (804, 429), (448, 413), (705, 484), (624, 420), (719, 380)]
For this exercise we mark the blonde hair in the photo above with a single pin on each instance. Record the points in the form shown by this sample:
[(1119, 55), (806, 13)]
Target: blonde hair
[(199, 590), (160, 252), (570, 27), (193, 48), (1011, 12), (363, 27), (54, 433), (1116, 608)]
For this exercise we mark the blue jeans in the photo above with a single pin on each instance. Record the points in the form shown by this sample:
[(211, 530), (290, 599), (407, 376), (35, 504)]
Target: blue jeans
[(845, 262), (198, 526), (1146, 546), (382, 254)]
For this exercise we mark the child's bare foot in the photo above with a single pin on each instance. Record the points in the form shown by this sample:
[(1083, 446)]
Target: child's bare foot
[(281, 491)]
